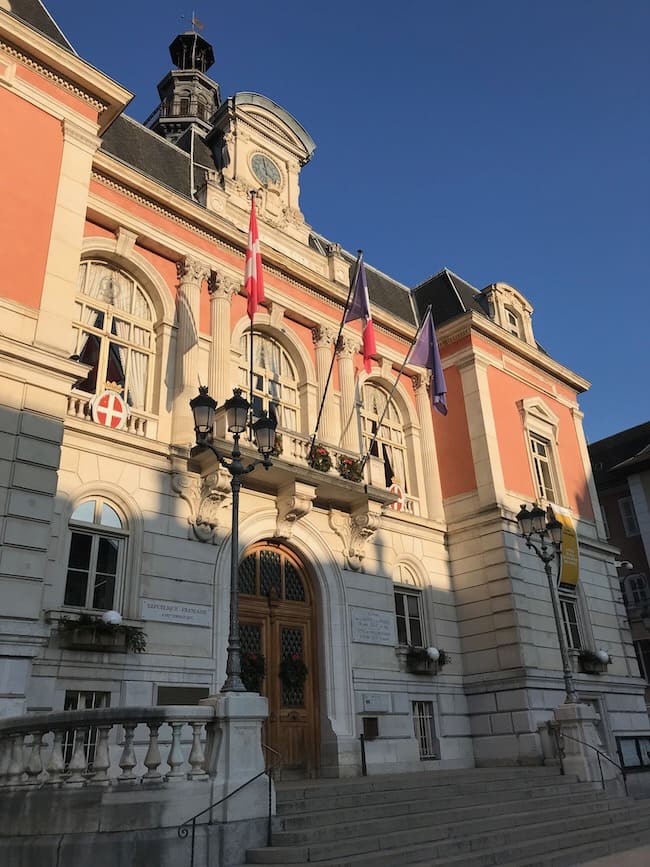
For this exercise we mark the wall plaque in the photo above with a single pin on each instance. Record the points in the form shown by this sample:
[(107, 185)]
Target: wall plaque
[(176, 612), (370, 626)]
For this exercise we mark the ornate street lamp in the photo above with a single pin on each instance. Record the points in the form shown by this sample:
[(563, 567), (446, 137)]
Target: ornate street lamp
[(531, 524), (237, 407)]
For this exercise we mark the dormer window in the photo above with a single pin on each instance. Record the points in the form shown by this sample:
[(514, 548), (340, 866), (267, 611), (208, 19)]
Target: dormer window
[(513, 322)]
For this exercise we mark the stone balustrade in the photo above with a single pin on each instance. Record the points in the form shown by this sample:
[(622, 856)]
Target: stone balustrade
[(139, 423), (109, 747)]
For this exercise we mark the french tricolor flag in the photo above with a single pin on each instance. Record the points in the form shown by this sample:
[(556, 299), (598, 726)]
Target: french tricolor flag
[(360, 309)]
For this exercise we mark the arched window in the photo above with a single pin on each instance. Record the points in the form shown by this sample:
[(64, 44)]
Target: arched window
[(275, 386), (389, 444), (114, 333), (98, 539)]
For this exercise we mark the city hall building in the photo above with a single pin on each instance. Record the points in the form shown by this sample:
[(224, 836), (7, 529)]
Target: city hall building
[(392, 598)]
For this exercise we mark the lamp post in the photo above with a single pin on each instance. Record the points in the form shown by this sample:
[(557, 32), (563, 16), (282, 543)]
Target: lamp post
[(237, 407), (531, 524)]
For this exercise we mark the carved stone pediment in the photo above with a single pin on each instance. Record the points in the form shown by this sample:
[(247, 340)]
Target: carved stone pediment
[(207, 498), (294, 501), (355, 530)]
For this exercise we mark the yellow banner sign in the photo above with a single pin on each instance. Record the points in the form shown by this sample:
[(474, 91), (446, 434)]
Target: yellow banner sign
[(570, 565)]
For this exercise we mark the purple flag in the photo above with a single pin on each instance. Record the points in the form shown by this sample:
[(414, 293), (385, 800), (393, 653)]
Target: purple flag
[(425, 353)]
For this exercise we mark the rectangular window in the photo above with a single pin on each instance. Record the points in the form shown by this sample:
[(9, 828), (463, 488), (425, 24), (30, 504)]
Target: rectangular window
[(642, 650), (424, 728), (409, 618), (628, 515), (542, 466), (83, 700), (570, 619)]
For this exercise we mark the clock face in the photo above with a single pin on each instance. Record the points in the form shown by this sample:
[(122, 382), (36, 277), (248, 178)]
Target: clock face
[(265, 170)]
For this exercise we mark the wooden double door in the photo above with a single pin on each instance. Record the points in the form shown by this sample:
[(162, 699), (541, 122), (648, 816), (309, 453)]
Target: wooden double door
[(277, 620)]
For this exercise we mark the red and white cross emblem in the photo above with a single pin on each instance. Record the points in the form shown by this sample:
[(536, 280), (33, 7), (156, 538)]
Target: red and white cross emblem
[(110, 409)]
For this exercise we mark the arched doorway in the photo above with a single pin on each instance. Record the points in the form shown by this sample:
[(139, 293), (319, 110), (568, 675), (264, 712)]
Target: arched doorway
[(277, 620)]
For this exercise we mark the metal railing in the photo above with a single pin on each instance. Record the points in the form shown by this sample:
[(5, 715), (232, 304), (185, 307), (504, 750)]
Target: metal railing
[(559, 735), (188, 827)]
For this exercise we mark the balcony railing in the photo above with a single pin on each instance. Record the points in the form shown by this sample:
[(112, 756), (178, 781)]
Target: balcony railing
[(138, 423), (105, 747)]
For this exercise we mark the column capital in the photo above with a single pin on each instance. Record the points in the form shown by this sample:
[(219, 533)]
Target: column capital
[(191, 270), (222, 285), (421, 381), (322, 335), (348, 346)]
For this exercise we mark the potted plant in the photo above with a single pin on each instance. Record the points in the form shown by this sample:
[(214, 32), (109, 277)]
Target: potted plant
[(106, 632), (593, 662), (253, 671), (319, 458), (293, 671), (426, 660), (349, 468)]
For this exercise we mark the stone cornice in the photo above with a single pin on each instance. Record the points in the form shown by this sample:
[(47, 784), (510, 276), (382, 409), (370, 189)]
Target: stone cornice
[(223, 235), (63, 68), (474, 323)]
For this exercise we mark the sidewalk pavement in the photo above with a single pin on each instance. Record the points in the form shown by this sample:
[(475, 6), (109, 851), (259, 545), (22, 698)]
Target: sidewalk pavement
[(630, 858)]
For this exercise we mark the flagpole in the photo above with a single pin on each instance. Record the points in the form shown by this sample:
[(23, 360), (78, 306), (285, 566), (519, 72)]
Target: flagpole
[(253, 194), (364, 459), (355, 274)]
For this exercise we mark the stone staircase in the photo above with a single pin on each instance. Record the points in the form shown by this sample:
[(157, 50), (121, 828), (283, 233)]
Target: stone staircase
[(511, 817)]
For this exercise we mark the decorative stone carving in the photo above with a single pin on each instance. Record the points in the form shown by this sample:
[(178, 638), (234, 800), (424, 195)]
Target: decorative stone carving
[(347, 346), (322, 335), (192, 270), (207, 498), (355, 530), (221, 285), (294, 501)]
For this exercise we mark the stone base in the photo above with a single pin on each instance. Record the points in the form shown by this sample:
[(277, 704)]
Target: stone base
[(578, 726), (225, 845)]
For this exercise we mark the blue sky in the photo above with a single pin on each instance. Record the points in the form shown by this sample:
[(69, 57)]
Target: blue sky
[(503, 139)]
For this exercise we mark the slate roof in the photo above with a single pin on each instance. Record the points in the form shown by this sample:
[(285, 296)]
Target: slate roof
[(149, 153), (616, 456), (33, 12), (449, 296)]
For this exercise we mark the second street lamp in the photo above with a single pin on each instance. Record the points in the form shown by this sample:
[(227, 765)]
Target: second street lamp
[(532, 524), (236, 407)]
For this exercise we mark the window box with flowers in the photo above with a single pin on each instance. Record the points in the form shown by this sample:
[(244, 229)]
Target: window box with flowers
[(106, 633), (253, 671), (426, 660), (319, 458), (593, 662), (349, 469)]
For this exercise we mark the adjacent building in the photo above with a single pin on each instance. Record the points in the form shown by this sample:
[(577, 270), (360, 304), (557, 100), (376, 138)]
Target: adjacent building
[(621, 466), (123, 288)]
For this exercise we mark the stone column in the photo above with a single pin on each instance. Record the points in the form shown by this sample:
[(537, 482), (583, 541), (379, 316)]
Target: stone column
[(191, 273), (221, 289), (482, 431), (323, 339), (432, 493), (349, 429), (53, 328)]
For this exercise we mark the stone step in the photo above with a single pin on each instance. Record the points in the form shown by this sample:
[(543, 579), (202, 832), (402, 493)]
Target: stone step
[(466, 802), (412, 844), (389, 782), (451, 822), (542, 848), (489, 788)]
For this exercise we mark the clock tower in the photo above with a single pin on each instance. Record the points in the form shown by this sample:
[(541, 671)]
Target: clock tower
[(257, 145)]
